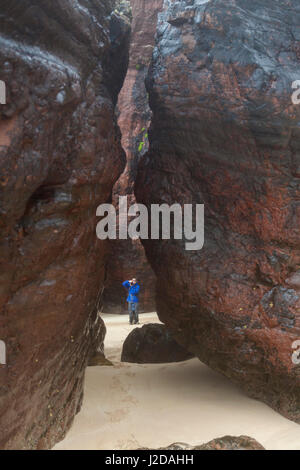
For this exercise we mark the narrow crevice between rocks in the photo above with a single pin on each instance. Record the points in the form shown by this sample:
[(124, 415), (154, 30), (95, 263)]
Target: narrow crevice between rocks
[(127, 257)]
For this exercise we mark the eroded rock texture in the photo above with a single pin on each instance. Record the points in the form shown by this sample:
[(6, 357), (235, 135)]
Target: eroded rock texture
[(225, 133), (64, 63), (128, 256)]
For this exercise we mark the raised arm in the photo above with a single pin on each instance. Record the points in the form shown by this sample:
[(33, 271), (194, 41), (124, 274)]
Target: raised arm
[(126, 284), (135, 289)]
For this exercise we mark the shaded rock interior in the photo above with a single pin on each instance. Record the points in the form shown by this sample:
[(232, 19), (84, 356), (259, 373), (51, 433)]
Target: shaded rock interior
[(127, 258)]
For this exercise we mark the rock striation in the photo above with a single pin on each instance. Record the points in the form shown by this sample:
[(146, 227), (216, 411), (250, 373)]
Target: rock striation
[(63, 64), (225, 133)]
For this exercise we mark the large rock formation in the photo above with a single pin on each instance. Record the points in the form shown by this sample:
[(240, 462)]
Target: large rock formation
[(128, 258), (153, 344), (225, 133), (63, 63)]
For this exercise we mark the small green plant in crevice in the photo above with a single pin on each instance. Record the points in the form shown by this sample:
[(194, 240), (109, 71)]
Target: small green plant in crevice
[(140, 66), (144, 141)]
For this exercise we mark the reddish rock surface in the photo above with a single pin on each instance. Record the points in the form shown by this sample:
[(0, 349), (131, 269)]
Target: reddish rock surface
[(128, 256), (60, 154), (226, 134)]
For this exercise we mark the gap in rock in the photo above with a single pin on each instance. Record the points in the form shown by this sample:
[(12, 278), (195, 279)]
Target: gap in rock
[(127, 257)]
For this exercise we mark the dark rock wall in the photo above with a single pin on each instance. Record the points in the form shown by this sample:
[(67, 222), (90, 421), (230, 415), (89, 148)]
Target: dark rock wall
[(226, 134), (127, 257), (64, 63)]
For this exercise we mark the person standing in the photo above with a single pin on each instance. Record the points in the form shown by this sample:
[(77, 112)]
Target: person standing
[(133, 300)]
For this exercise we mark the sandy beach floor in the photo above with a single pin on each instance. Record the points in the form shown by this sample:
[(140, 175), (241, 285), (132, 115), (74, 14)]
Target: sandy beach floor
[(128, 406)]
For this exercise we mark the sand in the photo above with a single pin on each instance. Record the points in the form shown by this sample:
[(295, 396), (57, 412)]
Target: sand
[(128, 406)]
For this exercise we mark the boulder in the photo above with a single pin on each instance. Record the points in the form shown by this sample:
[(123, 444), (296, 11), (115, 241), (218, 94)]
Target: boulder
[(232, 443), (152, 344)]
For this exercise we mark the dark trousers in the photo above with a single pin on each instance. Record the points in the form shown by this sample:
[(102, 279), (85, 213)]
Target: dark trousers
[(133, 309)]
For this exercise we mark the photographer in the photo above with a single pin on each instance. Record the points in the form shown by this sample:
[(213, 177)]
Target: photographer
[(132, 299)]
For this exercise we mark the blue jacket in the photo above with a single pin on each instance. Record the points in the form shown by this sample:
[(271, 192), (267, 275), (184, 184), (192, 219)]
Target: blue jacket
[(133, 291)]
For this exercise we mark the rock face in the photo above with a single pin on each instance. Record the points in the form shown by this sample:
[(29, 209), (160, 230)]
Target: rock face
[(226, 134), (60, 154), (222, 443), (152, 344), (128, 258), (97, 358), (232, 443)]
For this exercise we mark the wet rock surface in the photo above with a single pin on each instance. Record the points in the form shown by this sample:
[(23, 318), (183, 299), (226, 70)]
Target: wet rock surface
[(128, 258), (63, 63), (222, 443), (152, 344), (226, 134)]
